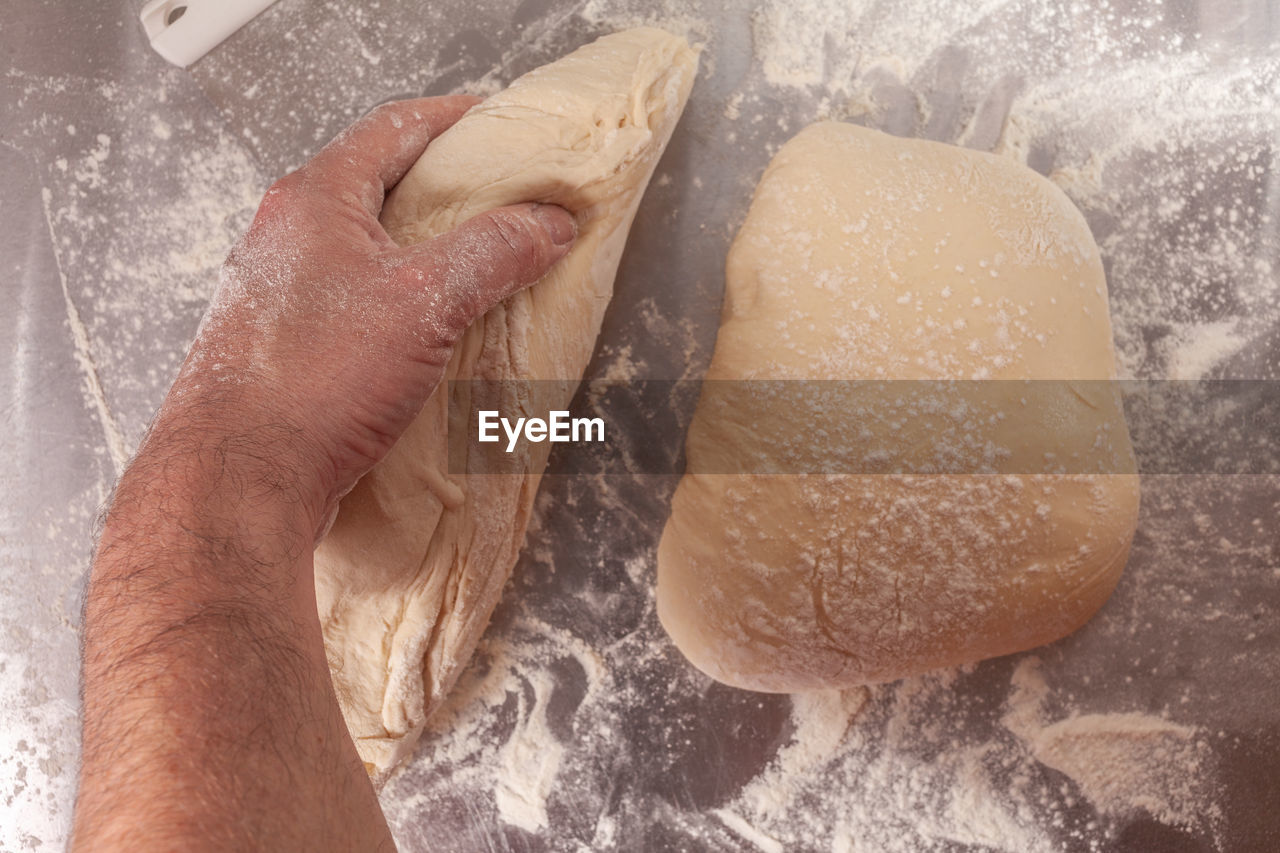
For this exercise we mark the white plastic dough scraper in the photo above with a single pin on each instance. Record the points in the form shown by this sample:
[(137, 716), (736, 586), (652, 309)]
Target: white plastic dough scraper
[(182, 31)]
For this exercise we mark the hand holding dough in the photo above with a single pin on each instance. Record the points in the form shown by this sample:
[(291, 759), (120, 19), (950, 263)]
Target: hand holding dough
[(416, 559), (867, 257)]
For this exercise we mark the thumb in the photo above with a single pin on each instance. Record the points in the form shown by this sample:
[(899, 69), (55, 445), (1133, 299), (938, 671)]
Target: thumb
[(489, 257)]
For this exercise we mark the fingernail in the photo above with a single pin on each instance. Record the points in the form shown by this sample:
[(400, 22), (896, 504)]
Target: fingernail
[(557, 221)]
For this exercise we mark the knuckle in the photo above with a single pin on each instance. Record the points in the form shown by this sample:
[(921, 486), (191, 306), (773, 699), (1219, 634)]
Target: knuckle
[(281, 197), (291, 200), (291, 185), (233, 264), (388, 114), (466, 302), (383, 111), (514, 236)]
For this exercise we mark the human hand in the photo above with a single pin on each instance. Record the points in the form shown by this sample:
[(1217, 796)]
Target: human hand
[(325, 331), (323, 342)]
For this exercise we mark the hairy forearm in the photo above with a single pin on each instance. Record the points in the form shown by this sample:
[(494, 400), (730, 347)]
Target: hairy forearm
[(210, 720)]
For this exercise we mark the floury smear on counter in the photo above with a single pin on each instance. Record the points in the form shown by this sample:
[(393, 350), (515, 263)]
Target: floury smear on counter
[(557, 427)]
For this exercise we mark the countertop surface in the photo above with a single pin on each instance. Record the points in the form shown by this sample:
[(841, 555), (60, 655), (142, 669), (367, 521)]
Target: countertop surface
[(578, 726)]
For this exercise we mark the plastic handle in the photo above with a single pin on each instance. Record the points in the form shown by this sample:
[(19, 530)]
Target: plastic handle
[(182, 31)]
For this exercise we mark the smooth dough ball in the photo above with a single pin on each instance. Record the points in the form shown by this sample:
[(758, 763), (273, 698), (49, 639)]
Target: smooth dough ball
[(869, 257)]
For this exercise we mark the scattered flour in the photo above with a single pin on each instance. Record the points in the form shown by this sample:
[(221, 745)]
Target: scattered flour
[(1195, 348), (530, 761), (740, 827), (821, 721), (1122, 762), (585, 735)]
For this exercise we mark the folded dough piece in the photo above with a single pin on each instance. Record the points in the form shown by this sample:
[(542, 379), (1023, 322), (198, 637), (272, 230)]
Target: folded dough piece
[(868, 257), (415, 562)]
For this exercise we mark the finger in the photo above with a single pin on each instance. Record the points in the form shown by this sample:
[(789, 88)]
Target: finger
[(372, 155), (486, 259)]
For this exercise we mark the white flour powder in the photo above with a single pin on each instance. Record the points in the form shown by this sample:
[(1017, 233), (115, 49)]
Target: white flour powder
[(1161, 128)]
